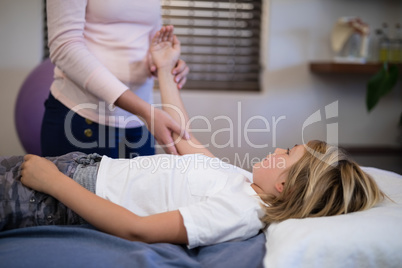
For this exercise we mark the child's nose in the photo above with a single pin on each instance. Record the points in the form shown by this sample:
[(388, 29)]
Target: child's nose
[(280, 151)]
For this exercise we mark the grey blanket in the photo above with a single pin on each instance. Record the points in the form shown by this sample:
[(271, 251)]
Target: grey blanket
[(83, 246)]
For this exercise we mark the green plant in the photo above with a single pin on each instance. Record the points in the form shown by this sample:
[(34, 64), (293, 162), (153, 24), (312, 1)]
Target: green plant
[(380, 85)]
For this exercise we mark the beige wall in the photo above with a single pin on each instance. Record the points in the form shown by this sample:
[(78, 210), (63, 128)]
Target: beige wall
[(294, 33), (21, 51)]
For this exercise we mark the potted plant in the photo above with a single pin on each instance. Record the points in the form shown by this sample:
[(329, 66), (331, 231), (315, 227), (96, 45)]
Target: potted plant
[(381, 84)]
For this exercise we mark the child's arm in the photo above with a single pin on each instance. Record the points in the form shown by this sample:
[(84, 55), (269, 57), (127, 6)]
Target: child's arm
[(42, 175), (165, 50)]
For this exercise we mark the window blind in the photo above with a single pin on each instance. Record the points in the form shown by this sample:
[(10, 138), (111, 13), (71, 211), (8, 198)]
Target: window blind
[(45, 38), (220, 41)]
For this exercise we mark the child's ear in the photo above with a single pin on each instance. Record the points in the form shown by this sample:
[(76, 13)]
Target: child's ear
[(280, 186)]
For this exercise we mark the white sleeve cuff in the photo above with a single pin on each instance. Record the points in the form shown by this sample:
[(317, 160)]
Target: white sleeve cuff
[(191, 228)]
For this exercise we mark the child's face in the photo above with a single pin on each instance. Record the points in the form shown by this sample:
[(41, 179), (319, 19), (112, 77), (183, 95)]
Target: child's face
[(269, 175)]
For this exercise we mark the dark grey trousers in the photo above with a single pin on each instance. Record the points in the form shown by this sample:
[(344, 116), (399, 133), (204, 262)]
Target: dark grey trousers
[(21, 206)]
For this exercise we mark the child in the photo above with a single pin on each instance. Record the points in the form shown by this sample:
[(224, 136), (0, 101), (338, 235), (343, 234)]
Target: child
[(193, 199)]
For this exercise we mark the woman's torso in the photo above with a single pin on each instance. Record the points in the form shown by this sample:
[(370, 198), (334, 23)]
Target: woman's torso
[(115, 38)]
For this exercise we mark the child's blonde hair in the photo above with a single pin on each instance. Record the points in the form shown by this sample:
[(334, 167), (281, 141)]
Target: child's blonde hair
[(324, 182)]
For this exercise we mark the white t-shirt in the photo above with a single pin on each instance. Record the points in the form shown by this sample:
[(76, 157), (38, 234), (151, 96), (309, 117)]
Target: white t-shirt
[(214, 198)]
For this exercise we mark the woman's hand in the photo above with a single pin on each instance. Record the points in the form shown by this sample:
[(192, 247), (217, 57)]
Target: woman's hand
[(158, 122), (38, 173), (162, 126)]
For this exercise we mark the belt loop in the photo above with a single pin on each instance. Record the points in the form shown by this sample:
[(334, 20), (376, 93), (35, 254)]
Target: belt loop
[(89, 159)]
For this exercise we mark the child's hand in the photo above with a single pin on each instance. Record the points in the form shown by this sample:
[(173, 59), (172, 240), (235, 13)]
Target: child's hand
[(38, 173), (165, 48)]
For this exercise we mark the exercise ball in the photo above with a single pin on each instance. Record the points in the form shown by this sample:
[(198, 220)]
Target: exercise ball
[(30, 108)]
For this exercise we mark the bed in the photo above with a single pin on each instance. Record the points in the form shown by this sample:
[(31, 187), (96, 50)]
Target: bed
[(72, 246), (370, 238)]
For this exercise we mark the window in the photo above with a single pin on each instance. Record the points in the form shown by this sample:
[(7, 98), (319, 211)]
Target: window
[(220, 41)]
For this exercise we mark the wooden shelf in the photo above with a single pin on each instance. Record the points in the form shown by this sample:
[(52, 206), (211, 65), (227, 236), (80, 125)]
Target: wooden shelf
[(346, 68), (380, 150)]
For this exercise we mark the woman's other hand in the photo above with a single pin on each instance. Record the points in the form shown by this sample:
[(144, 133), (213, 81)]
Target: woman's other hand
[(180, 71)]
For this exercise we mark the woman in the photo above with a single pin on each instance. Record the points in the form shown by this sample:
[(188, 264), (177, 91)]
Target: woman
[(193, 199), (100, 49)]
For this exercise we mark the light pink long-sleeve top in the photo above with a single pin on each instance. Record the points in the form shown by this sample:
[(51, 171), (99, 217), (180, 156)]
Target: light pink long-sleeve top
[(100, 50)]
